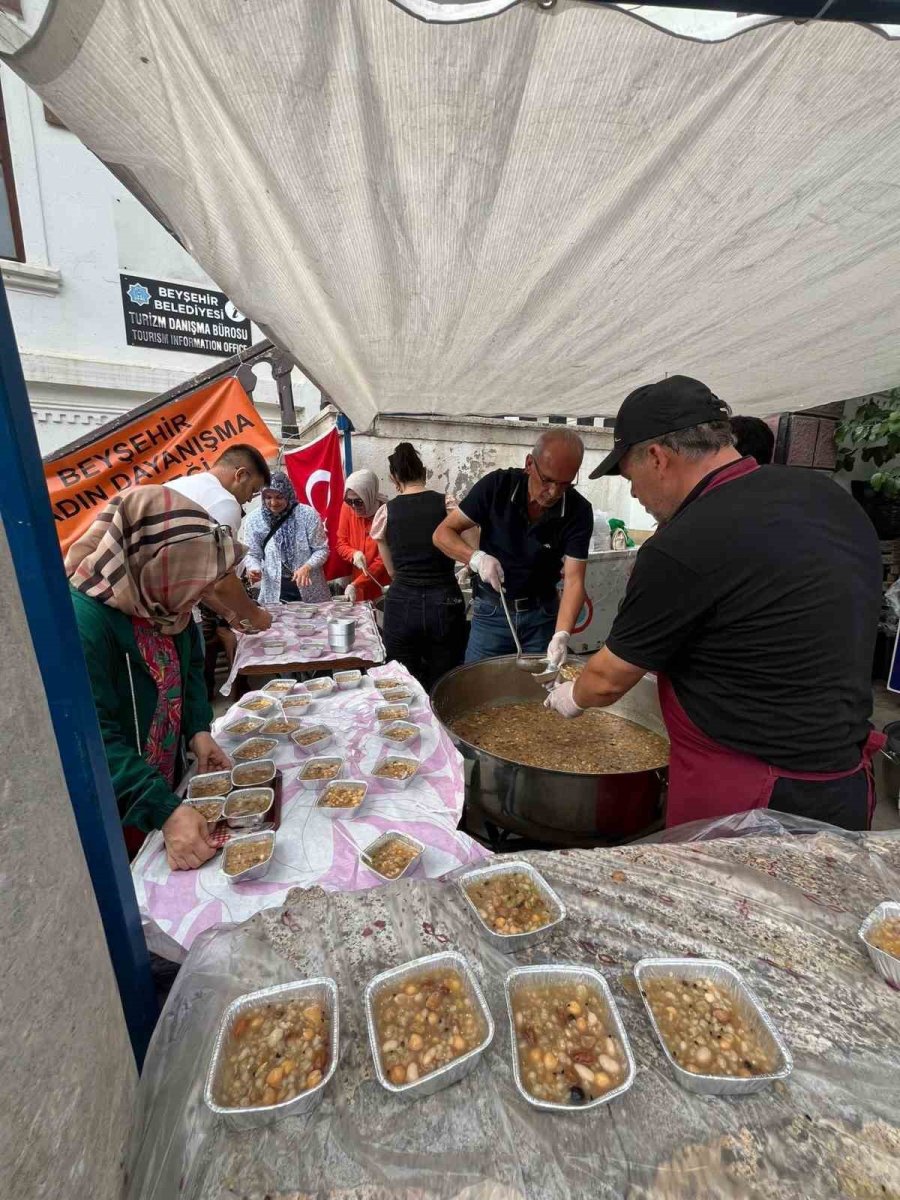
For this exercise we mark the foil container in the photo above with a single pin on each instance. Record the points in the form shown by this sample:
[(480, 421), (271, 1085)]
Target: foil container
[(509, 942), (391, 835), (254, 724), (266, 710), (730, 981), (316, 785), (318, 745), (258, 870), (316, 991), (380, 709), (328, 811), (384, 781), (248, 820), (549, 975), (885, 964), (385, 728), (267, 731), (275, 649), (265, 749), (319, 688), (298, 703), (220, 800), (453, 1071), (239, 772), (223, 778), (385, 685), (399, 695), (347, 680), (279, 687)]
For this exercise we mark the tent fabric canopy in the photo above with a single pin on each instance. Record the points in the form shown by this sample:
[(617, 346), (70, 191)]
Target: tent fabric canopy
[(529, 214)]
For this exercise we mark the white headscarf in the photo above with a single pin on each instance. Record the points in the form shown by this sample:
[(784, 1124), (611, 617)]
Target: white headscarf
[(365, 484)]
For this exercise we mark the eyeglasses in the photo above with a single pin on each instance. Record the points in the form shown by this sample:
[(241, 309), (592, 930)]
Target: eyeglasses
[(355, 503), (559, 484)]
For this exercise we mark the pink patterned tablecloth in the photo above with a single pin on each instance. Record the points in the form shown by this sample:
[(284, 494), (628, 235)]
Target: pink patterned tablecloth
[(305, 639), (312, 849)]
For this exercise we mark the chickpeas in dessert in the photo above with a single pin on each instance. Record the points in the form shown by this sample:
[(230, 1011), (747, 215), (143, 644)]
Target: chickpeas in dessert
[(342, 795), (425, 1023), (568, 1053), (510, 903), (392, 858), (274, 1053), (704, 1030)]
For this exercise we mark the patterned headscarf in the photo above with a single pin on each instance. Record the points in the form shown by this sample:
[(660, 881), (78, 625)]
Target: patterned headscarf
[(365, 484), (283, 486), (151, 553)]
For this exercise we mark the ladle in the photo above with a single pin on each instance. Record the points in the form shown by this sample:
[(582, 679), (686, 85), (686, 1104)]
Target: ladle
[(533, 664)]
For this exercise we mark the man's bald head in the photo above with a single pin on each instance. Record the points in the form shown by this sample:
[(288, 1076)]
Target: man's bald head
[(553, 465)]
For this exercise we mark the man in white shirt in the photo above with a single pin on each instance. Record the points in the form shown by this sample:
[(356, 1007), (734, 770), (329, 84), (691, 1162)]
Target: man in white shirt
[(234, 479)]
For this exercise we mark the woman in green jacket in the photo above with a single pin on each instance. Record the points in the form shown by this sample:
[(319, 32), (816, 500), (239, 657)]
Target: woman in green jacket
[(135, 577)]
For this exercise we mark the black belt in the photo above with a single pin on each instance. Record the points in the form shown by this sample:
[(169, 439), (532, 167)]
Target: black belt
[(515, 604)]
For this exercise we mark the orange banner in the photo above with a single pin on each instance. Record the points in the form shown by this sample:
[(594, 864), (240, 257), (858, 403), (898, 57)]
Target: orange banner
[(179, 438)]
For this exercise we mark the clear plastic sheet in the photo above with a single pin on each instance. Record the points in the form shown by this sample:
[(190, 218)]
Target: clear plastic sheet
[(756, 822), (784, 910)]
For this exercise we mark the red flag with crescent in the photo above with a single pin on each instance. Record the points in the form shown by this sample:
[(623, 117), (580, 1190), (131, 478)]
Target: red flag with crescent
[(317, 473)]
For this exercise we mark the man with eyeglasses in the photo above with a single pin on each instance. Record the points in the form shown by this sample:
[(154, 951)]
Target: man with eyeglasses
[(534, 526), (232, 481)]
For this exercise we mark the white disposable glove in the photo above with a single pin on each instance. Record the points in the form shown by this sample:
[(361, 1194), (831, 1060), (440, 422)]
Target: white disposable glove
[(350, 593), (558, 649), (359, 560), (561, 700), (488, 568)]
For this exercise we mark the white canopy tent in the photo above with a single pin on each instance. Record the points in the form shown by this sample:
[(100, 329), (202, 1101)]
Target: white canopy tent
[(525, 214)]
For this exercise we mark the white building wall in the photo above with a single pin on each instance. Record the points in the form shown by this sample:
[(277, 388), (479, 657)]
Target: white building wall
[(80, 229)]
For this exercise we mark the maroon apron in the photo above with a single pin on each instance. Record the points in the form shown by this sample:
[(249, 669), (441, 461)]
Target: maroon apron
[(707, 779)]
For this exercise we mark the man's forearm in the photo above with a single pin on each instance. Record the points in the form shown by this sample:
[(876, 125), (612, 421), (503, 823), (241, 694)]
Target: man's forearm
[(230, 600), (570, 605), (604, 680), (452, 544)]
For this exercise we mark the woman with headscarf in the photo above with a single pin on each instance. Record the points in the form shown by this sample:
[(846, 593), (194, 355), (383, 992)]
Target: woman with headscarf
[(286, 546), (354, 543), (135, 576)]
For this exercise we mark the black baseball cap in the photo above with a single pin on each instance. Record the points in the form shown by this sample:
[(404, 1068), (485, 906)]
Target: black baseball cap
[(678, 402)]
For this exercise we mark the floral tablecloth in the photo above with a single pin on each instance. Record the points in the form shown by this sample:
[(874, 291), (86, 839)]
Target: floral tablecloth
[(305, 639), (310, 848)]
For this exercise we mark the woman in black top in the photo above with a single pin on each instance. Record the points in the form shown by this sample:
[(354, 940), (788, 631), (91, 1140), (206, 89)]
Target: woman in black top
[(424, 611)]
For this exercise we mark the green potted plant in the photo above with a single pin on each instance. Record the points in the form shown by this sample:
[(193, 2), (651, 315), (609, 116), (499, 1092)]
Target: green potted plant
[(872, 435)]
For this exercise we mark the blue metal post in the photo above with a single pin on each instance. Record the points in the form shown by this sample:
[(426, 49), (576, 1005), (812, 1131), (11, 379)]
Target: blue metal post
[(36, 556), (345, 426)]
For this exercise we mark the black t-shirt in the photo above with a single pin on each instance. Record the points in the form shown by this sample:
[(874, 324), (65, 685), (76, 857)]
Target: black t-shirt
[(760, 601), (530, 552), (411, 522)]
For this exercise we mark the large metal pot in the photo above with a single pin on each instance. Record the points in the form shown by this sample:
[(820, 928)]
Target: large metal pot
[(553, 807)]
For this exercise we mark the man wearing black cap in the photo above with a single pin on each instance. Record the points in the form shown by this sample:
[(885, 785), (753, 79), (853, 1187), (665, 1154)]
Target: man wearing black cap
[(756, 604)]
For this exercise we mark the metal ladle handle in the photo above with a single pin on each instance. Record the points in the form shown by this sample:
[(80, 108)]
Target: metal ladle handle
[(512, 628)]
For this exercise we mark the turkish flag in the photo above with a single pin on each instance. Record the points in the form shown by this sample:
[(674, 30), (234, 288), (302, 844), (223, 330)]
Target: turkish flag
[(317, 473)]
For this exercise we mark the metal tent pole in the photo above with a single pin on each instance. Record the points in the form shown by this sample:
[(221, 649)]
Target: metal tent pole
[(25, 508)]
